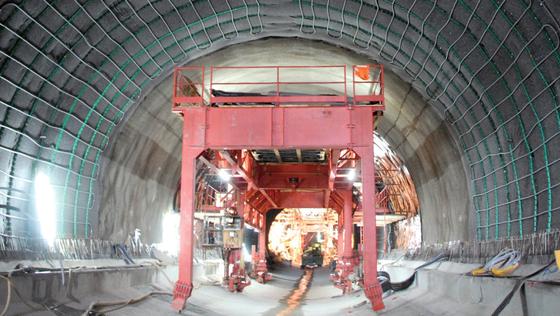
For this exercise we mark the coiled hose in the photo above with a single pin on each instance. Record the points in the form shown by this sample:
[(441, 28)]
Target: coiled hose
[(385, 279), (501, 265)]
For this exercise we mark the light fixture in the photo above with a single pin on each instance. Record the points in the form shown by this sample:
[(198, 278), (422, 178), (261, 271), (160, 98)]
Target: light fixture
[(224, 175), (351, 175), (45, 207)]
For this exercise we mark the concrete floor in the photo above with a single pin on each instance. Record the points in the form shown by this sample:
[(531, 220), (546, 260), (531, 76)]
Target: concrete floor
[(443, 289)]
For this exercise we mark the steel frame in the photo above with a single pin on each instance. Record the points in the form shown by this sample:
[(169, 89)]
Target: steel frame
[(231, 131)]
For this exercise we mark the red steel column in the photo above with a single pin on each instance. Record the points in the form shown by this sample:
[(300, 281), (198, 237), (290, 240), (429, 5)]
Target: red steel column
[(346, 260), (261, 268), (340, 240), (240, 207), (183, 287), (372, 288), (348, 223), (262, 239)]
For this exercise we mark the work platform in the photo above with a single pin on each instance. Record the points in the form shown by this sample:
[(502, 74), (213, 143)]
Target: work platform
[(294, 138)]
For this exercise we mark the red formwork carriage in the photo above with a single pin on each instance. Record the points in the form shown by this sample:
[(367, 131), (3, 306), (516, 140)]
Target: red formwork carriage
[(240, 109)]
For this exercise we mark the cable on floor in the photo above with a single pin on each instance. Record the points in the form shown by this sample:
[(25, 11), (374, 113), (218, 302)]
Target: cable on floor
[(8, 295), (385, 279), (96, 308)]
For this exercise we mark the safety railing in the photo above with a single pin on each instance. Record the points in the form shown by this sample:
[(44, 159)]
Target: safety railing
[(282, 82), (370, 77), (188, 86), (277, 85)]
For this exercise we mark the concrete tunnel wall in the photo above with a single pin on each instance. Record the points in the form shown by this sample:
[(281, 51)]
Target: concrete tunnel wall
[(72, 73), (143, 165)]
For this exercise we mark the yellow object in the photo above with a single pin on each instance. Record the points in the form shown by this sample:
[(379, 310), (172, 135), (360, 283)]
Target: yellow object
[(557, 255), (479, 271), (502, 272)]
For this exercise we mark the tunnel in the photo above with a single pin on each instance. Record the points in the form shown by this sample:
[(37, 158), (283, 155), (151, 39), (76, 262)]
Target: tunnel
[(91, 154)]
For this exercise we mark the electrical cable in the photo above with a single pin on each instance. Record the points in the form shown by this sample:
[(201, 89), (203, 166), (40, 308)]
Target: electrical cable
[(11, 287), (8, 295), (502, 264), (119, 304), (520, 284), (385, 279), (126, 257)]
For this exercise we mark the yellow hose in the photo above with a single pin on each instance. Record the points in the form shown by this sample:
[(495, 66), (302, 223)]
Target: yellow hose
[(505, 271)]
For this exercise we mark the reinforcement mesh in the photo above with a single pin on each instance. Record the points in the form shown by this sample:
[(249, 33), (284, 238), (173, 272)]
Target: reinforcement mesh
[(71, 70)]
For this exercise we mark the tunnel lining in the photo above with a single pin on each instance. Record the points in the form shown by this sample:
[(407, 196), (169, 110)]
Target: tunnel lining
[(488, 194)]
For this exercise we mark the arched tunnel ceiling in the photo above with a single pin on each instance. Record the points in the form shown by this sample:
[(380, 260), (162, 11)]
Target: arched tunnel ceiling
[(145, 160), (72, 71)]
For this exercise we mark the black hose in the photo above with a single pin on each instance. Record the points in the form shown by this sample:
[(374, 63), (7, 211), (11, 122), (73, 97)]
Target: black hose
[(385, 279), (126, 257), (519, 284)]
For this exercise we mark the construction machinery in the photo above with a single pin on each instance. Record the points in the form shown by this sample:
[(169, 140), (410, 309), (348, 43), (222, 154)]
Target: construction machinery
[(283, 137)]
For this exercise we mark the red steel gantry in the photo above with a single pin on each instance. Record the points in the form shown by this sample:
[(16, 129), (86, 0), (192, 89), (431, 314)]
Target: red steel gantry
[(236, 127)]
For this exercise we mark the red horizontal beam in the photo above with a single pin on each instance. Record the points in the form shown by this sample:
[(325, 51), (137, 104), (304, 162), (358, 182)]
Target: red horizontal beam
[(211, 208), (308, 127), (300, 199), (373, 98)]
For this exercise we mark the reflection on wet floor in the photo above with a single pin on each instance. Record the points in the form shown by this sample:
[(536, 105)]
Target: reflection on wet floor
[(295, 297)]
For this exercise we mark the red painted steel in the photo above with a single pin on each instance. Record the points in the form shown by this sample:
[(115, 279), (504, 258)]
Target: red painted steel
[(375, 84), (184, 286), (278, 127), (230, 131), (347, 261), (372, 288), (259, 260)]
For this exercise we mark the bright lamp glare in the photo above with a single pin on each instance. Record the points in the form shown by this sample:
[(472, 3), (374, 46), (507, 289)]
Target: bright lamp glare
[(170, 238), (351, 175), (45, 205), (224, 175), (246, 254)]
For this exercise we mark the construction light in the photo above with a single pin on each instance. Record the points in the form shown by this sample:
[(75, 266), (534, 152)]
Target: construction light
[(351, 175), (224, 174), (45, 207)]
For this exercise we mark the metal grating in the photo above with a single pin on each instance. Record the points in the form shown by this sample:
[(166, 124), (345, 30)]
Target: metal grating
[(290, 156)]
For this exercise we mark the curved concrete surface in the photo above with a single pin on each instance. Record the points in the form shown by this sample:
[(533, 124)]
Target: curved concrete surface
[(442, 289), (142, 167), (72, 73)]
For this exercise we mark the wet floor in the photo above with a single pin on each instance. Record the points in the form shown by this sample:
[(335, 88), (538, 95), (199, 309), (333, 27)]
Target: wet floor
[(291, 292), (294, 299)]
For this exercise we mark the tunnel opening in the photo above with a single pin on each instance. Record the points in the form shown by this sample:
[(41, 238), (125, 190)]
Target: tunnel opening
[(302, 237)]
